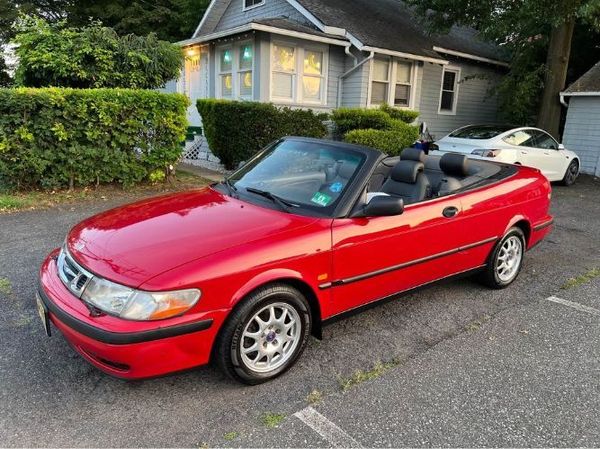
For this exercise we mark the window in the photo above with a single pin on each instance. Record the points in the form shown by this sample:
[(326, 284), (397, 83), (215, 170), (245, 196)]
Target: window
[(298, 74), (225, 69), (448, 96), (284, 72), (249, 4), (521, 138), (482, 132), (380, 82), (235, 71), (403, 84), (245, 70), (545, 141)]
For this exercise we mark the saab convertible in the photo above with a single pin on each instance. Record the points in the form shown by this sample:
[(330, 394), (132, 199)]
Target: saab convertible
[(244, 271)]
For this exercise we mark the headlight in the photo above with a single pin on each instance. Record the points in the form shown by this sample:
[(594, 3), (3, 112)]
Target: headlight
[(138, 305), (486, 153)]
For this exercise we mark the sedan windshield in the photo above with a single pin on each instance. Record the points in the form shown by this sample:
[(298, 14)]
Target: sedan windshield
[(480, 132), (299, 174)]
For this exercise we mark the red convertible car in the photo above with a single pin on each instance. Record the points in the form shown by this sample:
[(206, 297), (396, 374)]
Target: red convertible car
[(244, 271)]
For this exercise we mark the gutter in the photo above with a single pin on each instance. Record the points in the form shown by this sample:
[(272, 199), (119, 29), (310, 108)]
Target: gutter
[(562, 100), (345, 74)]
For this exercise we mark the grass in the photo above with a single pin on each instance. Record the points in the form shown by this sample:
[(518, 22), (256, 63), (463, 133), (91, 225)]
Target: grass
[(475, 325), (5, 286), (43, 199), (314, 397), (230, 436), (272, 420), (581, 279), (360, 376)]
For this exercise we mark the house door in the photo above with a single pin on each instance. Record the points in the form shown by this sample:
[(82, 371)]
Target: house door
[(196, 82)]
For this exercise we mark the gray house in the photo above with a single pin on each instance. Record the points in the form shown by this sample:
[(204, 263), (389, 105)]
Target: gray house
[(324, 54), (582, 128)]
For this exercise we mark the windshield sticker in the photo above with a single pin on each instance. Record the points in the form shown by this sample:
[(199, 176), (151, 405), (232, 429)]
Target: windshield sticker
[(322, 199), (336, 187)]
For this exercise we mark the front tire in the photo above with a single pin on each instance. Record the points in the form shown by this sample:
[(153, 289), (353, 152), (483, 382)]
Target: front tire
[(506, 260), (264, 335), (571, 174)]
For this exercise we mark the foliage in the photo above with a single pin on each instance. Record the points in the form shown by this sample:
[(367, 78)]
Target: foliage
[(5, 79), (405, 115), (64, 137), (524, 29), (386, 129), (390, 142), (171, 20), (236, 130), (92, 57), (348, 119)]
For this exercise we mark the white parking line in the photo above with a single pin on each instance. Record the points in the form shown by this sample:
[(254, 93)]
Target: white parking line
[(328, 430), (574, 305)]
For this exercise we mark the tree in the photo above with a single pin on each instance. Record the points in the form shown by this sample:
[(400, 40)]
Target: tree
[(526, 27), (5, 78), (92, 57)]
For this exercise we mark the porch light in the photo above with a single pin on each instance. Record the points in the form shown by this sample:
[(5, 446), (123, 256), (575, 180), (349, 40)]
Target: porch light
[(191, 52)]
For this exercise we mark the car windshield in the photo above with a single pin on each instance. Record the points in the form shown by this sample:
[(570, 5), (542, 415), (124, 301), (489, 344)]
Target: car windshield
[(480, 132), (299, 174)]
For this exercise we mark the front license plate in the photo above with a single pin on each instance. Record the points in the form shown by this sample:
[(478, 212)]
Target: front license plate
[(43, 313)]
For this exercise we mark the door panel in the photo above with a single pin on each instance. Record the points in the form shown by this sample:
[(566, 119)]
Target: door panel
[(377, 257)]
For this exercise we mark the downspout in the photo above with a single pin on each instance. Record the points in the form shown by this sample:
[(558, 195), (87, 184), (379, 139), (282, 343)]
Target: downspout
[(562, 100), (344, 75)]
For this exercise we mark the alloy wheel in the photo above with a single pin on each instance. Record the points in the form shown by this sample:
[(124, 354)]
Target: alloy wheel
[(509, 258)]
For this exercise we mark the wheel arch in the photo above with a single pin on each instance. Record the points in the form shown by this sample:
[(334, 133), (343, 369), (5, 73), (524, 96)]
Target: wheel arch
[(293, 279), (523, 224)]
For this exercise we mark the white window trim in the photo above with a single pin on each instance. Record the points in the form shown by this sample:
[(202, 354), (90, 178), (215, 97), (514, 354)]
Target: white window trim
[(392, 71), (235, 70), (248, 8), (456, 70), (300, 49)]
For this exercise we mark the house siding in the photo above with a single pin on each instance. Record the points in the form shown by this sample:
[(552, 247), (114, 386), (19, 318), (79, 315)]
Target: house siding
[(354, 90), (235, 16), (582, 132), (474, 103)]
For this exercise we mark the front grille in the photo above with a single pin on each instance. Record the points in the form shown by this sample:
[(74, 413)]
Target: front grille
[(73, 275)]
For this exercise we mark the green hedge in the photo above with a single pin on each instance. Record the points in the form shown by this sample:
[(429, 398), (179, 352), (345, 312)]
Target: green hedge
[(63, 137), (236, 130), (348, 119), (390, 142), (404, 115)]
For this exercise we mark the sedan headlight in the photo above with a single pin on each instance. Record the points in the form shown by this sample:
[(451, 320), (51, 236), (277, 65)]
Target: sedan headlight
[(138, 305), (486, 153)]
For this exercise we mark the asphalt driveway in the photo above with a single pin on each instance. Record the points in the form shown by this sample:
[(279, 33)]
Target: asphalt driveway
[(461, 365)]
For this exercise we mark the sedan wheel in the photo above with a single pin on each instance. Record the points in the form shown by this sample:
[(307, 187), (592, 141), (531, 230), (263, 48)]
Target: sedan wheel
[(571, 174), (264, 335), (506, 260)]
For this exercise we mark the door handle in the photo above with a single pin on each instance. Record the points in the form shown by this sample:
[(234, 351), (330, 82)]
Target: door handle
[(450, 212), (523, 152)]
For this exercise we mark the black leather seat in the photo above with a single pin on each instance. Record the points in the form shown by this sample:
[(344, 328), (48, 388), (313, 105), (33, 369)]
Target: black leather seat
[(454, 166), (407, 181)]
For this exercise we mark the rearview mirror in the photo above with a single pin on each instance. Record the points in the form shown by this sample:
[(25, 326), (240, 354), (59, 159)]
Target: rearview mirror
[(384, 206), (561, 146)]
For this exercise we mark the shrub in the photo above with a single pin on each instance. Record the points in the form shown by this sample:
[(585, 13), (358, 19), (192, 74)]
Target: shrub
[(60, 137), (236, 130), (404, 115), (390, 142), (348, 119), (92, 57)]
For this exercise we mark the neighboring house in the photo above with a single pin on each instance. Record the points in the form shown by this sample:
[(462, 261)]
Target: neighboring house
[(582, 128), (324, 54)]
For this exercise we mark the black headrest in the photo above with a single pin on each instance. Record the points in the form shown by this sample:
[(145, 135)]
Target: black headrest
[(407, 171), (413, 154), (454, 164), (346, 170)]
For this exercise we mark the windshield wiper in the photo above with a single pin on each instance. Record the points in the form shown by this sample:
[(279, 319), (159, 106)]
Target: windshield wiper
[(283, 204), (232, 189)]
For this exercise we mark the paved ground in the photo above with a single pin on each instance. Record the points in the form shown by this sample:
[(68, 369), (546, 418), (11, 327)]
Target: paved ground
[(466, 366)]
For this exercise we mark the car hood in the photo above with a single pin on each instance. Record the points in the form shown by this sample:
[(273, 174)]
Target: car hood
[(135, 243)]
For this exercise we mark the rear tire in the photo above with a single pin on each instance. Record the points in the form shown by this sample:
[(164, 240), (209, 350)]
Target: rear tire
[(571, 174), (506, 260), (264, 335)]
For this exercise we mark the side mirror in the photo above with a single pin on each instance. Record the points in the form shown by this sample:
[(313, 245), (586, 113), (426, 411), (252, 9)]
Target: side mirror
[(384, 206), (561, 146)]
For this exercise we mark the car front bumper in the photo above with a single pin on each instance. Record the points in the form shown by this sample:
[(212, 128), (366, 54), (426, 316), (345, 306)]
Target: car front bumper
[(145, 349)]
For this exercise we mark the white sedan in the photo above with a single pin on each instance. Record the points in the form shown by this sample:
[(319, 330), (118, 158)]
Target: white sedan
[(523, 146)]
